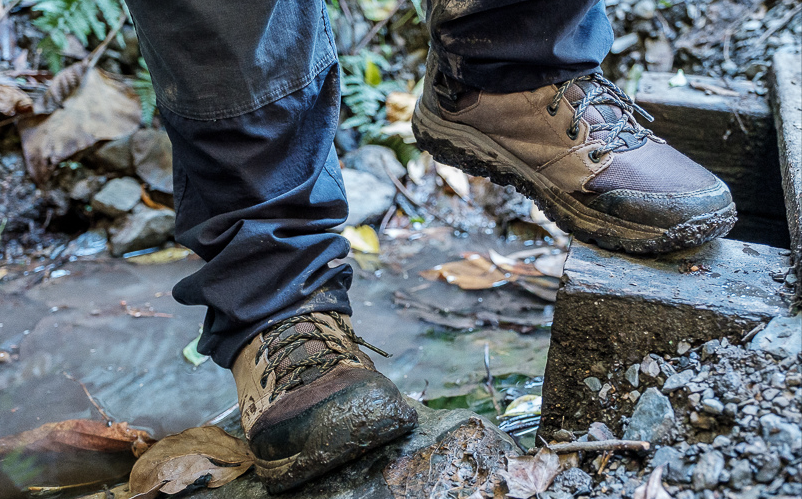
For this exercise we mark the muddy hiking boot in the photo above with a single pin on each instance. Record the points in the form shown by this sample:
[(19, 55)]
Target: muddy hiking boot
[(311, 400), (577, 151)]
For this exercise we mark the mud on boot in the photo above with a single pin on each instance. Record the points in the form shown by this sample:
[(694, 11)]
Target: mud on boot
[(577, 151), (310, 400)]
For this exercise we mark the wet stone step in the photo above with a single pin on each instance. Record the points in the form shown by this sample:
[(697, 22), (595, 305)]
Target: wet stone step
[(418, 465), (613, 310), (787, 106)]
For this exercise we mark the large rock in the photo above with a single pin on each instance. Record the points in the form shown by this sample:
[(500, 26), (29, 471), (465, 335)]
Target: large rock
[(153, 159), (653, 419), (781, 337), (368, 197), (144, 228), (446, 444), (373, 159), (616, 309), (779, 432), (117, 197)]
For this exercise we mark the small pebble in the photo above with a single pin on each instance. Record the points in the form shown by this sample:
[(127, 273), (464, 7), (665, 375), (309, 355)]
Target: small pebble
[(683, 347), (778, 380), (750, 410), (633, 395), (781, 402), (593, 383), (721, 441), (794, 379), (731, 409), (631, 375), (712, 406), (695, 398), (770, 393)]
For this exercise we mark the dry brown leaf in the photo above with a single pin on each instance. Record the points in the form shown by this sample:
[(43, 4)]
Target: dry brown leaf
[(551, 265), (61, 87), (653, 488), (177, 461), (474, 272), (102, 108), (528, 476), (85, 434), (400, 106), (149, 202), (456, 179), (14, 101), (513, 266)]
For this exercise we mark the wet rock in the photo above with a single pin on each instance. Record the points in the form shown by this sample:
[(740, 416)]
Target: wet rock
[(631, 375), (644, 9), (368, 197), (740, 474), (653, 418), (143, 228), (779, 432), (117, 197), (623, 43), (780, 337), (675, 469), (771, 467), (593, 383), (87, 244), (84, 189), (707, 471), (599, 431), (153, 159), (115, 156), (712, 406), (678, 381), (573, 481), (368, 476), (373, 159)]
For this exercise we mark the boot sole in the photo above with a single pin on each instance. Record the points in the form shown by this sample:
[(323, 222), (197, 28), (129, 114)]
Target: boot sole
[(364, 417), (477, 154)]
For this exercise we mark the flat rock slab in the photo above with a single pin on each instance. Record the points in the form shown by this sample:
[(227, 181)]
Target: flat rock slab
[(423, 464), (787, 106), (615, 308)]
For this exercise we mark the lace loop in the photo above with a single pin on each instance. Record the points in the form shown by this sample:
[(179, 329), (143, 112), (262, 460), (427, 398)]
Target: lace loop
[(326, 359), (605, 92)]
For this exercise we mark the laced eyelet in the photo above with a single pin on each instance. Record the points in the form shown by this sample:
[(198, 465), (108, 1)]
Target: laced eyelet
[(572, 133), (594, 156), (552, 110)]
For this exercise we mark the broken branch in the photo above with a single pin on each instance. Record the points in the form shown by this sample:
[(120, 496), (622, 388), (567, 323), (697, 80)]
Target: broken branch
[(597, 446)]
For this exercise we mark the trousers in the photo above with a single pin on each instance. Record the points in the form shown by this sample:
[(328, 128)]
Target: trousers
[(249, 94)]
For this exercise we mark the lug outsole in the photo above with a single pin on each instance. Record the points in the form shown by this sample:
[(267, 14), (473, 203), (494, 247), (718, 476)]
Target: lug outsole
[(468, 150)]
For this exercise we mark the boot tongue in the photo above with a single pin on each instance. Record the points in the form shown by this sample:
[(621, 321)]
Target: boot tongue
[(598, 113), (310, 347)]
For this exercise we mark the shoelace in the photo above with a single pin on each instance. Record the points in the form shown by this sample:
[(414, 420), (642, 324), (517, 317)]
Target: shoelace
[(326, 359), (604, 92)]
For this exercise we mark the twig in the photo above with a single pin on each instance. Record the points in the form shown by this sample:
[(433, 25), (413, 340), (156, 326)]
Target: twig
[(223, 415), (599, 446), (90, 397), (347, 11), (8, 9), (387, 217), (489, 384), (95, 55), (376, 27), (405, 192), (779, 25), (751, 334)]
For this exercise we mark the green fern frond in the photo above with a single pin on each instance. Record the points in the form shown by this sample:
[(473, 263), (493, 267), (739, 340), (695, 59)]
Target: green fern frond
[(80, 18), (143, 85), (364, 92)]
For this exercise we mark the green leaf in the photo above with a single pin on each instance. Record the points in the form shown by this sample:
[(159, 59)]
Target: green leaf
[(373, 75), (191, 353)]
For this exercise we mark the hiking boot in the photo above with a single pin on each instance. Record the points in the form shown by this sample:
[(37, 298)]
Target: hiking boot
[(310, 400), (577, 151)]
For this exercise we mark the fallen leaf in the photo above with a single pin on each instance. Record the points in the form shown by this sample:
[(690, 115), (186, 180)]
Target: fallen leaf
[(551, 265), (167, 255), (653, 488), (524, 405), (14, 101), (362, 238), (61, 87), (678, 80), (417, 168), (400, 106), (191, 352), (177, 461), (102, 108), (456, 179), (513, 266), (474, 272), (528, 476), (85, 434)]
